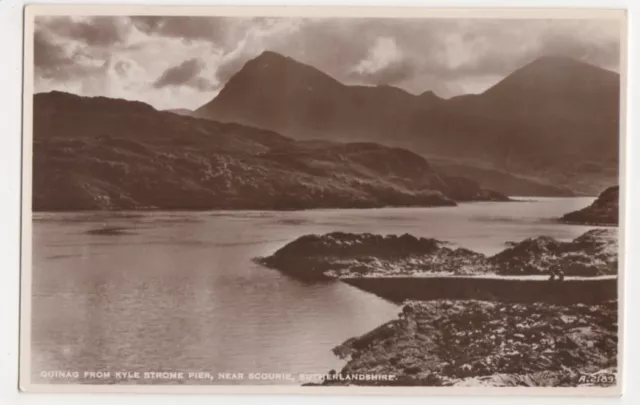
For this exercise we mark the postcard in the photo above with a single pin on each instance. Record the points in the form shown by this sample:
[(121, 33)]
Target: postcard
[(323, 200)]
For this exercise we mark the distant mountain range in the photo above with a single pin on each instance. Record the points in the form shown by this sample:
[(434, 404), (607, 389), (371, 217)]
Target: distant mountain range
[(180, 111), (550, 127), (100, 153)]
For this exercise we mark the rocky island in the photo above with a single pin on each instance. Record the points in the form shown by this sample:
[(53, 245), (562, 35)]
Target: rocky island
[(347, 255), (603, 211)]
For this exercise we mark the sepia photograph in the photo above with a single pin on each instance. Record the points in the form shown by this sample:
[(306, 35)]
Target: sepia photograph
[(309, 199)]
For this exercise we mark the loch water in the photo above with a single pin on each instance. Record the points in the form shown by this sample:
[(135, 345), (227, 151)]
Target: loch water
[(179, 292)]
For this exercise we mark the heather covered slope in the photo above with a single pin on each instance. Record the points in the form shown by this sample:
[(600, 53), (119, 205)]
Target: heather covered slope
[(100, 153), (528, 124), (341, 254), (603, 211)]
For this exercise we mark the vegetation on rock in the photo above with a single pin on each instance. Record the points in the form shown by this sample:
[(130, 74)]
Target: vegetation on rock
[(340, 254), (443, 343)]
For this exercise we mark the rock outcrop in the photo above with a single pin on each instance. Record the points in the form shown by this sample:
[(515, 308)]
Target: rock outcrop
[(603, 211), (592, 254), (445, 343), (339, 254)]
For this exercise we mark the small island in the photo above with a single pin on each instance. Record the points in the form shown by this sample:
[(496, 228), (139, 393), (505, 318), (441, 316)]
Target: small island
[(348, 255)]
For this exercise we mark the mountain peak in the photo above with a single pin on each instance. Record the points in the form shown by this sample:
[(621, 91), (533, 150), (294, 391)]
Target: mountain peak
[(551, 59), (271, 55), (271, 59), (264, 85), (561, 63), (556, 77), (271, 65), (429, 95)]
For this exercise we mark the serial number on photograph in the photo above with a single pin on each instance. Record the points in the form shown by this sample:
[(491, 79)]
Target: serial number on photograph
[(604, 378)]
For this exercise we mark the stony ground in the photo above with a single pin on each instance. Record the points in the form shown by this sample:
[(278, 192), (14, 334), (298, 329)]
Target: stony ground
[(593, 253), (445, 342)]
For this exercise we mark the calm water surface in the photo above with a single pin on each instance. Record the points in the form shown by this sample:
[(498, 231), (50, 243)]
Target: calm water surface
[(177, 291)]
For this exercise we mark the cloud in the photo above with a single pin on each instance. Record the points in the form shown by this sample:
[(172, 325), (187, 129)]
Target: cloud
[(182, 61), (63, 61), (385, 63), (93, 31), (47, 54), (187, 28), (264, 34), (180, 74)]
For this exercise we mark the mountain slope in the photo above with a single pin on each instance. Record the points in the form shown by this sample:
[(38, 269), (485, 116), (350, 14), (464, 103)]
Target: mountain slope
[(555, 119), (100, 153), (279, 93), (180, 111), (496, 179), (552, 118)]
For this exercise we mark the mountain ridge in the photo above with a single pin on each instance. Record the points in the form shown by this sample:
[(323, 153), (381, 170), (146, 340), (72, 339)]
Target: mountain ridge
[(111, 154), (527, 124)]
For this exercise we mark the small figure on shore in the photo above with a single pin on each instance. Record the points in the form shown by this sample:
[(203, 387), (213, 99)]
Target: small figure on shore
[(556, 273), (406, 312)]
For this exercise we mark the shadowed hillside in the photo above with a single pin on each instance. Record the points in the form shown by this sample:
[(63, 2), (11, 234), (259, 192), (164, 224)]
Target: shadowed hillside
[(603, 211), (101, 153)]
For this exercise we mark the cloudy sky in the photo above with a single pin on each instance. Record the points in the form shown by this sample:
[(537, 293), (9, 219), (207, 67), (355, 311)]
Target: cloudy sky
[(182, 62)]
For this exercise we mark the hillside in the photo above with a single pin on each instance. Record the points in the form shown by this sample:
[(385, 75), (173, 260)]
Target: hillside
[(529, 124), (503, 180), (180, 111), (100, 153), (603, 211)]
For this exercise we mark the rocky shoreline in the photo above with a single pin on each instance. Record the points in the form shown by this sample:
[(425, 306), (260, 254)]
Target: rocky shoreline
[(603, 211), (469, 319), (469, 342), (339, 254)]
